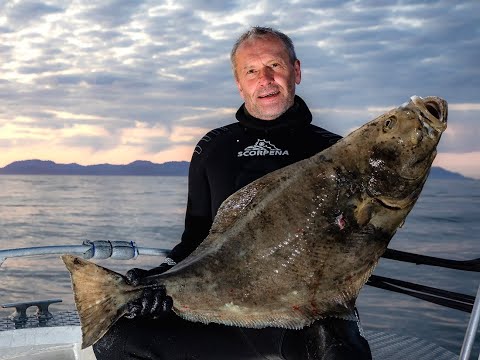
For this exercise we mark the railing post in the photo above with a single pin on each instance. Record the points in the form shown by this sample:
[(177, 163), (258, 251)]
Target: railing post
[(471, 329)]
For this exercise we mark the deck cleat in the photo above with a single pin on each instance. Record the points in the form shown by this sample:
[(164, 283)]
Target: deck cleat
[(19, 316)]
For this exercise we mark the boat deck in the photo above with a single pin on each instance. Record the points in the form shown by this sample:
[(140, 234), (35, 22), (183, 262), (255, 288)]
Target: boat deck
[(60, 338)]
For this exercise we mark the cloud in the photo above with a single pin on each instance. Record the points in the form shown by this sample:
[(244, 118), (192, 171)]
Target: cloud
[(463, 163), (25, 12), (111, 13)]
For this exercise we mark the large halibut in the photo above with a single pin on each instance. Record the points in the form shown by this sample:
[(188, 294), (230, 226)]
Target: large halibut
[(295, 245)]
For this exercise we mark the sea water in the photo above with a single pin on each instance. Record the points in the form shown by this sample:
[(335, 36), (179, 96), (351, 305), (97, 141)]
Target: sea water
[(66, 210)]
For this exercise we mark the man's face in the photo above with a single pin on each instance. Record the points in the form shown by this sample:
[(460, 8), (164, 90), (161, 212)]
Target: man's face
[(265, 77)]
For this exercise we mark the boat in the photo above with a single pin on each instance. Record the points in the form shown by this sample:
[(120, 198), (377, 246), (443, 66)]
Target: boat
[(53, 335)]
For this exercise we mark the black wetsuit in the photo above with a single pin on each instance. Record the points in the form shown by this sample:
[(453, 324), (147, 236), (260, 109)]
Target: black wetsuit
[(225, 160), (232, 156)]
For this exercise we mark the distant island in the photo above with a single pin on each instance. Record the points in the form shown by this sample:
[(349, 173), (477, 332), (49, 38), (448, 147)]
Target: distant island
[(136, 168)]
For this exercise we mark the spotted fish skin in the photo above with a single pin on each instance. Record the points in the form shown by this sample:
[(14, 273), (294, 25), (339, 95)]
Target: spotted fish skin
[(299, 243)]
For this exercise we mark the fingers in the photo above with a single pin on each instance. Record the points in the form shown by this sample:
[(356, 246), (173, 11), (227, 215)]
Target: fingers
[(167, 304), (161, 304), (156, 305), (153, 303), (134, 309), (153, 299), (134, 276), (147, 303)]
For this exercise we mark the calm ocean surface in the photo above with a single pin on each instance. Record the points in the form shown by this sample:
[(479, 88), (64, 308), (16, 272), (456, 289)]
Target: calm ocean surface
[(66, 210)]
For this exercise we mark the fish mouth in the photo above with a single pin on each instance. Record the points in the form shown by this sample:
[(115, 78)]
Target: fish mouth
[(433, 113)]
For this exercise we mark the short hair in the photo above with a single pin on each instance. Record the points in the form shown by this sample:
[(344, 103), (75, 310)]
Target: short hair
[(256, 32)]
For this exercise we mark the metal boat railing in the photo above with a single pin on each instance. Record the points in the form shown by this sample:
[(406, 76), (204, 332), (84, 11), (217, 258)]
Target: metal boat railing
[(98, 249), (469, 339)]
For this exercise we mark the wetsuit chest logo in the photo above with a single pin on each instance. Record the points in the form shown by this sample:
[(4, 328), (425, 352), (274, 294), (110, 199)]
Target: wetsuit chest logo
[(262, 147)]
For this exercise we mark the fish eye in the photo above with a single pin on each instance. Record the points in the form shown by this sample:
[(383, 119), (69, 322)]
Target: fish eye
[(389, 123)]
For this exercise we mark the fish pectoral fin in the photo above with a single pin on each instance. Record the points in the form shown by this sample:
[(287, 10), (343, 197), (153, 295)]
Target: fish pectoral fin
[(400, 202), (363, 212), (395, 203), (100, 295)]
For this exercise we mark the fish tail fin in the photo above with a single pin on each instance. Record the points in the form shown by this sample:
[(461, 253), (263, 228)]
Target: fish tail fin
[(100, 295)]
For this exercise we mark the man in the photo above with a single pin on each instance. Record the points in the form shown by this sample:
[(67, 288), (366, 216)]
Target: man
[(273, 130)]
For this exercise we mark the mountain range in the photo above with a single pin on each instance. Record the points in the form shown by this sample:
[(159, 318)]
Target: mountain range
[(136, 168)]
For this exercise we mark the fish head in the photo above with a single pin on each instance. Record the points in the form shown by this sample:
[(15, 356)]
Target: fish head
[(402, 149)]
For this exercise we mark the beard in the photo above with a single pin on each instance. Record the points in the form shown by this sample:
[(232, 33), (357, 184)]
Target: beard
[(270, 102)]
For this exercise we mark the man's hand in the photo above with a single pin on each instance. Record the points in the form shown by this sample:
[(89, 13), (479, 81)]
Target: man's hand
[(135, 275), (154, 301)]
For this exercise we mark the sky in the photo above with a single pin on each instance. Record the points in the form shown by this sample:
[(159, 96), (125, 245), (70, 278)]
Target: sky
[(117, 81)]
